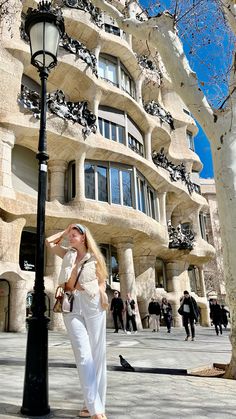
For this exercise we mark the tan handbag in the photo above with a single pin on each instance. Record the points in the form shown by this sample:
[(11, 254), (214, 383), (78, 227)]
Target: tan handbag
[(64, 299)]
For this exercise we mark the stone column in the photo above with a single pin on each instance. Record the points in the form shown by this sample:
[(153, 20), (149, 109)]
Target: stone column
[(148, 145), (162, 207), (80, 194), (18, 294), (10, 238), (7, 140), (138, 88), (124, 247), (145, 284), (57, 170), (52, 270), (177, 282)]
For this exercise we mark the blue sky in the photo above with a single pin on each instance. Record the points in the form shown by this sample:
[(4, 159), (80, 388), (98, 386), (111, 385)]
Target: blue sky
[(208, 46)]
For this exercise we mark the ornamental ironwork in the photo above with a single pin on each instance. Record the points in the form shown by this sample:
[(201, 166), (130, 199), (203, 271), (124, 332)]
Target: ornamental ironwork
[(153, 108), (77, 112), (180, 240), (176, 172), (71, 45), (80, 50), (86, 6), (145, 62)]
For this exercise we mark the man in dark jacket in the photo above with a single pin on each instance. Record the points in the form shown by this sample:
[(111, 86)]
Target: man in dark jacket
[(117, 309), (216, 316), (154, 311), (189, 310)]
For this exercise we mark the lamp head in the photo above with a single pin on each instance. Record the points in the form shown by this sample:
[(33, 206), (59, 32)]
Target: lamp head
[(44, 27)]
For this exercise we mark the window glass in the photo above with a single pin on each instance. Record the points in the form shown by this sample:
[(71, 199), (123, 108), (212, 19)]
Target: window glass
[(151, 203), (111, 72), (100, 126), (160, 277), (89, 181), (126, 185), (106, 129), (190, 140), (102, 184), (114, 266), (113, 132), (102, 68), (115, 185), (121, 131)]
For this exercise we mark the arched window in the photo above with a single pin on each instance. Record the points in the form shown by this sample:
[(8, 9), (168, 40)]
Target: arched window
[(119, 184), (117, 126), (113, 71)]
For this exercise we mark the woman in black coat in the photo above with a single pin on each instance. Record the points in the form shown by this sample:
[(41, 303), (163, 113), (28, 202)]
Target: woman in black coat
[(189, 310), (216, 316)]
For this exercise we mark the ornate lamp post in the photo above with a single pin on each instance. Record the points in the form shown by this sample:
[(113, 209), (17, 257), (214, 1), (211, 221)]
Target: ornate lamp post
[(44, 27)]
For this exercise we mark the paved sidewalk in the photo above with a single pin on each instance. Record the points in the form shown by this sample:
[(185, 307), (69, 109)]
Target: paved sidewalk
[(159, 388)]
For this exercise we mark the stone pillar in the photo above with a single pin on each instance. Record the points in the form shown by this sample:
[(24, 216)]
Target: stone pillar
[(10, 238), (57, 170), (7, 140), (148, 145), (145, 284), (80, 194), (177, 282), (53, 266), (162, 207), (124, 247), (138, 87), (18, 294)]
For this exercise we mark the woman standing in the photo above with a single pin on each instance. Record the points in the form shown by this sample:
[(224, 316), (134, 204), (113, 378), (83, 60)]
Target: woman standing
[(86, 324)]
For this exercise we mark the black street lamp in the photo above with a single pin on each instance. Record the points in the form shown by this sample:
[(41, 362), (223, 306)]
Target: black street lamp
[(44, 27)]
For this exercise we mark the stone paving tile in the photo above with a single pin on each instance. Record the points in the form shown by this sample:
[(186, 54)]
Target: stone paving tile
[(129, 395)]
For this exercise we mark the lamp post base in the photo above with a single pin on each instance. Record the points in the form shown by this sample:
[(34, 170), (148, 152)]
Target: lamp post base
[(35, 397)]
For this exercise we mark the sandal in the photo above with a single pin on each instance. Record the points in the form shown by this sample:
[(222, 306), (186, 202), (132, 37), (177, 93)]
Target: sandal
[(84, 413)]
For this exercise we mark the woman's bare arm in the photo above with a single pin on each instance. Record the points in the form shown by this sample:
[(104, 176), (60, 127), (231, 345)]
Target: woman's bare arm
[(53, 242)]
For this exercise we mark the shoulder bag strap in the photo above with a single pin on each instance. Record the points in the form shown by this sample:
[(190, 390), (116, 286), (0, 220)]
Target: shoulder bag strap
[(78, 276)]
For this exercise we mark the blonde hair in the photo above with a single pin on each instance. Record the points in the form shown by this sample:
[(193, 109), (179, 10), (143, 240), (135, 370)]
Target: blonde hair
[(93, 248)]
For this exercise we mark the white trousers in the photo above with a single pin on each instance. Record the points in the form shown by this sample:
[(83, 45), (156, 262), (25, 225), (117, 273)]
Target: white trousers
[(86, 327), (155, 321)]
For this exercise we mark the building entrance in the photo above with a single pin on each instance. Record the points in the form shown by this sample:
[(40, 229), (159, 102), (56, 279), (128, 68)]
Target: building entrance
[(4, 305)]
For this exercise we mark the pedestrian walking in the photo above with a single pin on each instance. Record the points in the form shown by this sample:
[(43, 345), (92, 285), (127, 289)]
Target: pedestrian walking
[(117, 309), (130, 315), (86, 323), (154, 311), (225, 316), (189, 310), (166, 311), (216, 316)]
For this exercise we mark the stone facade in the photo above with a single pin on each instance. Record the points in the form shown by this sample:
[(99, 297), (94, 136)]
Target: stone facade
[(103, 130)]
